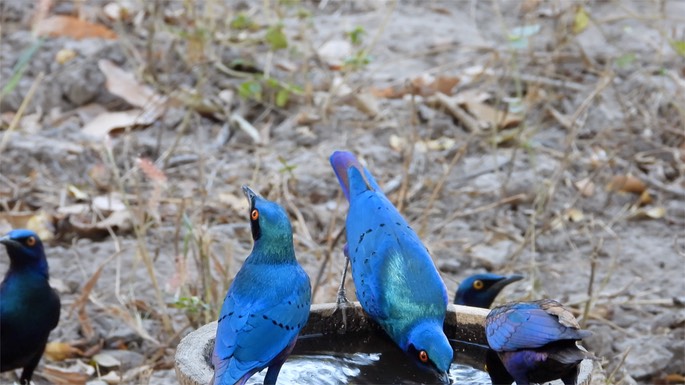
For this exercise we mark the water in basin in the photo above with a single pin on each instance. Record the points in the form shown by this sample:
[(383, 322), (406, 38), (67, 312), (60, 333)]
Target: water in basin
[(369, 358)]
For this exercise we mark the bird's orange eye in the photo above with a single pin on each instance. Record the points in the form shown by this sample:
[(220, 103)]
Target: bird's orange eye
[(423, 356), (478, 284), (254, 214), (30, 241)]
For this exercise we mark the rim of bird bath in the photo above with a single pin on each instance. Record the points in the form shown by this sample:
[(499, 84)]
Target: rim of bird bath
[(462, 323)]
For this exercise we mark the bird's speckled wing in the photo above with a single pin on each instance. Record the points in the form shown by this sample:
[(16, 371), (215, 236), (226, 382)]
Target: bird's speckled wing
[(526, 325), (393, 273), (254, 327)]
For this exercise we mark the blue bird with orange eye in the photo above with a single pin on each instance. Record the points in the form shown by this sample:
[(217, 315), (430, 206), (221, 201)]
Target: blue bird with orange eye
[(480, 290), (536, 342), (29, 307), (267, 304), (395, 278)]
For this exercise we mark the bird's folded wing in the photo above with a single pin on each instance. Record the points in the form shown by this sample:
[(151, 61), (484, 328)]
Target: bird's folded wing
[(254, 333), (514, 329)]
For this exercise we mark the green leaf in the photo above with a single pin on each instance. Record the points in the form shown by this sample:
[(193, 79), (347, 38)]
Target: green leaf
[(581, 21), (21, 66), (251, 89), (356, 35), (242, 22), (678, 47), (276, 38), (625, 60), (518, 36), (282, 97)]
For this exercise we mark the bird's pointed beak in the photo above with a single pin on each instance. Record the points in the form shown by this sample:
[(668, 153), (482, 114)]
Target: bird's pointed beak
[(249, 194), (505, 281), (7, 241), (444, 378)]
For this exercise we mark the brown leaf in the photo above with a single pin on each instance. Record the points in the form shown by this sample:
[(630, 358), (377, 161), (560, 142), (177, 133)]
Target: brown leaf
[(64, 376), (648, 213), (75, 28), (626, 183), (424, 85), (493, 117), (585, 186)]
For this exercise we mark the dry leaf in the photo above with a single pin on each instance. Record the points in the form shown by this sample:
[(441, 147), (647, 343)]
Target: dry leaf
[(110, 122), (108, 203), (106, 360), (645, 198), (650, 213), (492, 117), (64, 55), (366, 103), (124, 85), (74, 375), (626, 183), (574, 215), (73, 27), (60, 351), (424, 85), (585, 186)]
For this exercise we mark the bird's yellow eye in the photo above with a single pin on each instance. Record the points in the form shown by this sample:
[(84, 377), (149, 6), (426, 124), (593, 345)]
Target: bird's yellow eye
[(478, 284), (254, 214), (423, 356), (30, 241)]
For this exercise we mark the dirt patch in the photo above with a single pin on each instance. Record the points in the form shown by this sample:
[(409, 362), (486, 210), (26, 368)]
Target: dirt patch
[(518, 165)]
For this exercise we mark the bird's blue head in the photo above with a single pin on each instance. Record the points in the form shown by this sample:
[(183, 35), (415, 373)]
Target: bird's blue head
[(429, 346), (270, 225), (25, 250), (480, 290)]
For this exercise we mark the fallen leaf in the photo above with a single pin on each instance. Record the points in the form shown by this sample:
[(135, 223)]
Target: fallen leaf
[(124, 85), (585, 186), (76, 193), (645, 198), (73, 27), (60, 351), (424, 85), (106, 360), (493, 117), (110, 122), (626, 183), (41, 223), (581, 20), (64, 55), (573, 215), (74, 375), (648, 213), (366, 103), (108, 203)]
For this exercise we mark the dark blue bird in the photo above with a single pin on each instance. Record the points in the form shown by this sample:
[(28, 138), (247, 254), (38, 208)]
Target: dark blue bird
[(267, 303), (29, 307), (396, 281), (536, 341), (480, 290)]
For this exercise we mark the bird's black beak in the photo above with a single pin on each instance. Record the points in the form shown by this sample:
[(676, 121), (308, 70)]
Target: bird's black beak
[(9, 242), (444, 378), (249, 194), (505, 281)]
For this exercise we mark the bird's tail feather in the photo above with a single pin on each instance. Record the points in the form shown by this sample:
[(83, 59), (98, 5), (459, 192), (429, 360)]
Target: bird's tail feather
[(341, 161)]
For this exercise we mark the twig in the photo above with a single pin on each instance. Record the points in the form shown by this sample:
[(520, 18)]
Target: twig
[(457, 112), (20, 112), (438, 187)]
